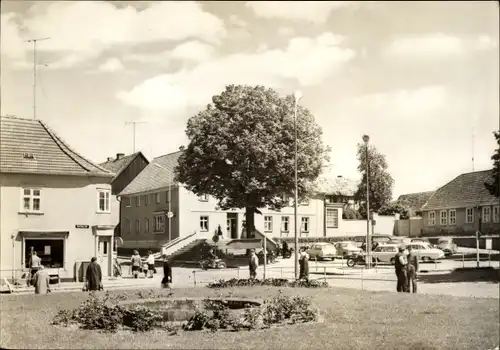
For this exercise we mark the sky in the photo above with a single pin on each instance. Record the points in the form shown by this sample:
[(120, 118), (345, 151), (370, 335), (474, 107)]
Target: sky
[(420, 78)]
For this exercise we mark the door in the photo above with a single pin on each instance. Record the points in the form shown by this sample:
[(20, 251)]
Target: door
[(232, 225), (103, 255)]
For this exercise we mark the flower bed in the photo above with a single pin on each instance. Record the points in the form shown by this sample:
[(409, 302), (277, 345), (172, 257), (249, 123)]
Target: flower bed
[(275, 282)]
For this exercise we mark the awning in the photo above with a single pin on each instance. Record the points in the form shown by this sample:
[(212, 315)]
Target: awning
[(43, 234), (250, 243)]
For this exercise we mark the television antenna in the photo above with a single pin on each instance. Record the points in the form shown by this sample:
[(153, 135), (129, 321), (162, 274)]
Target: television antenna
[(34, 41)]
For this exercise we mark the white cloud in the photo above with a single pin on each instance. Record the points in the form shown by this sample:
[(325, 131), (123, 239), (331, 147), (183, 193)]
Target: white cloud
[(306, 60), (285, 31), (312, 11), (192, 51), (424, 104), (111, 65), (83, 30), (237, 22), (437, 45)]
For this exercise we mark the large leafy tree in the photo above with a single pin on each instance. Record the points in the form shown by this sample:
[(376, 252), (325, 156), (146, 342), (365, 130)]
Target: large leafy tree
[(241, 150), (493, 185), (400, 208), (381, 181)]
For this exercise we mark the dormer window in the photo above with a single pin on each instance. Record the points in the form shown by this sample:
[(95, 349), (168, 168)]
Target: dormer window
[(203, 198)]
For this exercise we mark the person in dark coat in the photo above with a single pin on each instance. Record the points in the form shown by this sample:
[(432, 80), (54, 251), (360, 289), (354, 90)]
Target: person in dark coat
[(94, 275), (284, 249), (304, 264), (167, 273), (400, 264), (412, 270), (253, 264)]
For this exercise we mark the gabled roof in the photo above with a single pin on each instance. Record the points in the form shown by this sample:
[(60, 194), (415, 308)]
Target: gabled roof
[(157, 174), (29, 146), (335, 185), (118, 165), (415, 200), (466, 190)]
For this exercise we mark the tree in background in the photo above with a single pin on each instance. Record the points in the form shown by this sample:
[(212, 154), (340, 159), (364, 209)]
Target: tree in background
[(395, 208), (381, 182), (493, 186), (351, 214), (241, 150)]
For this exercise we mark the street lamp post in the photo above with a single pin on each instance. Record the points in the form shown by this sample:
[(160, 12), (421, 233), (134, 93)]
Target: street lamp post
[(366, 139), (297, 96)]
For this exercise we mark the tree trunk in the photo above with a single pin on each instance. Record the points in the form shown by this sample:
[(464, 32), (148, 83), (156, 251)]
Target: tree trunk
[(250, 222)]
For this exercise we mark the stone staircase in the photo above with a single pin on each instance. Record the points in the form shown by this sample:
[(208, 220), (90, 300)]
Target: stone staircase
[(192, 253)]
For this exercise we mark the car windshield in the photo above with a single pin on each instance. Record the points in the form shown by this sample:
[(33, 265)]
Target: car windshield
[(444, 240), (426, 246)]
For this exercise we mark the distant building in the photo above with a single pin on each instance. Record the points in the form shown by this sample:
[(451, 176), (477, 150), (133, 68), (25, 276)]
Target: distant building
[(415, 201), (462, 206), (52, 199), (125, 168)]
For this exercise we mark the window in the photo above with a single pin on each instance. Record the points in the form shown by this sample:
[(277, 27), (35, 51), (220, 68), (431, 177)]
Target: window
[(204, 223), (496, 213), (469, 215), (268, 223), (146, 225), (285, 223), (166, 196), (158, 198), (138, 201), (103, 201), (203, 198), (332, 218), (126, 226), (146, 199), (453, 216), (137, 226), (443, 217), (31, 200), (126, 201), (304, 202), (50, 251), (486, 214), (159, 223), (305, 225)]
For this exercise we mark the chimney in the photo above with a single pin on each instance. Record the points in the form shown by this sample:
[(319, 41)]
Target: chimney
[(119, 155), (110, 159)]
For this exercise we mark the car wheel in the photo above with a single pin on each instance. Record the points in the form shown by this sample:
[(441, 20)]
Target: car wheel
[(351, 262), (393, 261)]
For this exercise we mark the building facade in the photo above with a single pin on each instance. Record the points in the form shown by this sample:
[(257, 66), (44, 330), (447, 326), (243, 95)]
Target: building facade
[(147, 200), (462, 207), (53, 201)]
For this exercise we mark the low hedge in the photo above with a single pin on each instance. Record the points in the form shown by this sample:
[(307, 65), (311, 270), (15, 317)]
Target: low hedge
[(275, 282)]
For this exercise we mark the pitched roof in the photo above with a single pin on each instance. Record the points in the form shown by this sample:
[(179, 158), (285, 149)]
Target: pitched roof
[(157, 174), (118, 165), (335, 185), (415, 200), (29, 146), (466, 190)]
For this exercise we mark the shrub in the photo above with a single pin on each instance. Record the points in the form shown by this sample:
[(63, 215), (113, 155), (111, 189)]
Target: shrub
[(252, 318), (197, 322), (282, 308), (153, 294), (275, 282), (96, 313), (141, 318), (64, 317)]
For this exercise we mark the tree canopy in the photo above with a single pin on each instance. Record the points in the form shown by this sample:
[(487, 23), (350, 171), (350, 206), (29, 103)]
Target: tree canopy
[(395, 208), (381, 181), (241, 150), (493, 185)]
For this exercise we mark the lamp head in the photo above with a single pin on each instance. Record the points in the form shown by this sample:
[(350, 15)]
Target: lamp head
[(366, 138), (298, 95)]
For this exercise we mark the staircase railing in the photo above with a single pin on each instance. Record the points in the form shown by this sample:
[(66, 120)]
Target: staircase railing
[(177, 244), (271, 244)]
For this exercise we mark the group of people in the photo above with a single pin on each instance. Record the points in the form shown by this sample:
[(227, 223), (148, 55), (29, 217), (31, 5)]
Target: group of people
[(303, 264), (148, 267), (406, 267)]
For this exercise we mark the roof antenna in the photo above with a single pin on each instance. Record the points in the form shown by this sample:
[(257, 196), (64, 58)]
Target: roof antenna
[(133, 124), (34, 41)]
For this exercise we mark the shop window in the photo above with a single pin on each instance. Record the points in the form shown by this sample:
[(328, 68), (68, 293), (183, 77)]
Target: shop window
[(51, 251)]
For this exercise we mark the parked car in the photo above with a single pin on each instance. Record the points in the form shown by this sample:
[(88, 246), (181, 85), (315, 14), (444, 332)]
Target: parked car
[(376, 240), (447, 245), (426, 252), (385, 253), (404, 241), (347, 248), (423, 240), (322, 250)]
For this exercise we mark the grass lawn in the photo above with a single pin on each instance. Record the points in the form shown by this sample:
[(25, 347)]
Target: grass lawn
[(353, 319)]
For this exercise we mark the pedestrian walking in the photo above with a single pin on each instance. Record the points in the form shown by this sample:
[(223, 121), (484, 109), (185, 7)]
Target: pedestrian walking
[(253, 264), (151, 264), (36, 264), (412, 270), (304, 264), (94, 276), (167, 273), (400, 264), (136, 262), (41, 281)]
